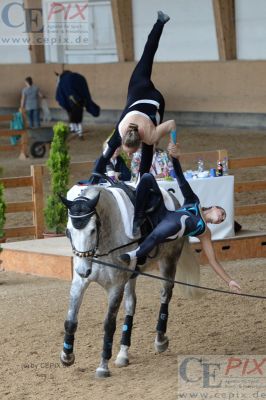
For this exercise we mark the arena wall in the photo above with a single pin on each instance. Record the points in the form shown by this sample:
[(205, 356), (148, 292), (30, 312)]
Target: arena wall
[(214, 87)]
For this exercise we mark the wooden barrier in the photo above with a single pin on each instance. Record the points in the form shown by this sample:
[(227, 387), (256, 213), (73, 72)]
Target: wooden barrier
[(249, 186), (211, 156), (6, 118), (246, 244), (22, 143), (35, 206), (223, 246), (234, 164)]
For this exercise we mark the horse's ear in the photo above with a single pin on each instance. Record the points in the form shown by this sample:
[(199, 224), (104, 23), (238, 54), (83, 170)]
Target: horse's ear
[(94, 201), (66, 202), (56, 73)]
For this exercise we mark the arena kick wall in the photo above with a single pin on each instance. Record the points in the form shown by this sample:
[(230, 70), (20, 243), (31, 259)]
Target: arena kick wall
[(198, 87)]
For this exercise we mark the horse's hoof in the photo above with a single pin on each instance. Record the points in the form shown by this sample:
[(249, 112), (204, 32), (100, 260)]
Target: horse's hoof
[(67, 359), (121, 362), (102, 373), (162, 346)]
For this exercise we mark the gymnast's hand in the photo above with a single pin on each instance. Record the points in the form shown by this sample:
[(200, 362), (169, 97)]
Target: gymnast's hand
[(234, 286), (174, 149)]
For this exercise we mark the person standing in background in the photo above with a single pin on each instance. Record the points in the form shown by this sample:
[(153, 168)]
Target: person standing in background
[(30, 102), (118, 164), (73, 95)]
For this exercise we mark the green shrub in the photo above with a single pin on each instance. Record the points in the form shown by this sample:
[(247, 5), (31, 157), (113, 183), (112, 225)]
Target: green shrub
[(58, 163)]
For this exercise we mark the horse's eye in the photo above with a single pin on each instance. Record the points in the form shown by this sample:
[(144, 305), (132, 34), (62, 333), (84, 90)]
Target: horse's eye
[(93, 231)]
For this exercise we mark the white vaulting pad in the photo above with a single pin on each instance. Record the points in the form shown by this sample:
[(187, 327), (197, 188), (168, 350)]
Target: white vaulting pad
[(127, 209), (75, 191), (124, 203)]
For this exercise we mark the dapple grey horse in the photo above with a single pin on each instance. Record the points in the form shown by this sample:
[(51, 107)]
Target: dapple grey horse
[(95, 229)]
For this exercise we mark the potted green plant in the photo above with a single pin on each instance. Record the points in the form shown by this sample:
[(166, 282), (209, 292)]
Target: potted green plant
[(55, 213)]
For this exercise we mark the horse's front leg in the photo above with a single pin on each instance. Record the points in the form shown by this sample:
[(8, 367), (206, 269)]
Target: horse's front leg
[(130, 301), (115, 296), (78, 287), (168, 270)]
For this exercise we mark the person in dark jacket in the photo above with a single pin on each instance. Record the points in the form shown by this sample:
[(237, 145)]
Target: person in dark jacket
[(118, 165), (73, 95)]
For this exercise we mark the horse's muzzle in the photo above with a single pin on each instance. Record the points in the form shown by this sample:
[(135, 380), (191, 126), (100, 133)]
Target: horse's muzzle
[(86, 275)]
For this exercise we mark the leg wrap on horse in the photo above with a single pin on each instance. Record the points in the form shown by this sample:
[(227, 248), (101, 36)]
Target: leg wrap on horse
[(109, 329), (127, 329), (70, 329), (107, 346), (163, 317)]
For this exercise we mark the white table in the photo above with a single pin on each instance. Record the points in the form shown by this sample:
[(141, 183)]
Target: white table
[(217, 191)]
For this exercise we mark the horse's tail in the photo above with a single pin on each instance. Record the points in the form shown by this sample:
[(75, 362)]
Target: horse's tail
[(188, 271)]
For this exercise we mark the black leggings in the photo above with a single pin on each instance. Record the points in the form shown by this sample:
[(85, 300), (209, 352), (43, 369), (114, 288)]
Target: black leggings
[(166, 223), (76, 113), (140, 87), (148, 193)]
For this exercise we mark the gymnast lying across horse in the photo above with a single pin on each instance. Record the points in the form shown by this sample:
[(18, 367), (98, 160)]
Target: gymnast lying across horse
[(188, 220)]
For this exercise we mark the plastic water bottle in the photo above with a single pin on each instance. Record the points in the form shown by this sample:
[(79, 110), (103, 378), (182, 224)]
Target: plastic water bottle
[(135, 163), (225, 166), (110, 172), (219, 168), (200, 166)]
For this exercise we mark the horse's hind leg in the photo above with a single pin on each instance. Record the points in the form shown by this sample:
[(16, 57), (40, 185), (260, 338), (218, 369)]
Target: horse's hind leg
[(77, 290), (115, 296), (130, 301), (168, 270)]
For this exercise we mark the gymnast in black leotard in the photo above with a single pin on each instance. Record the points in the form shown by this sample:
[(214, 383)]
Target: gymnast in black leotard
[(188, 220), (141, 120)]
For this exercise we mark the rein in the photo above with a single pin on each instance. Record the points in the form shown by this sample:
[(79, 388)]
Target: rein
[(138, 272), (93, 257), (118, 248), (93, 253)]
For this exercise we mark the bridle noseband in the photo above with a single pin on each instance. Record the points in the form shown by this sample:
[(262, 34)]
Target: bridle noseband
[(94, 252), (78, 219)]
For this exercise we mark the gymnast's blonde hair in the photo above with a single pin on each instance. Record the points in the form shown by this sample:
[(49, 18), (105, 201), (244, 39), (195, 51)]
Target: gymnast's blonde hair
[(132, 137)]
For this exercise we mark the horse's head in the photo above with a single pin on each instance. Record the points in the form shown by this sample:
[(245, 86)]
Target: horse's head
[(83, 231)]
